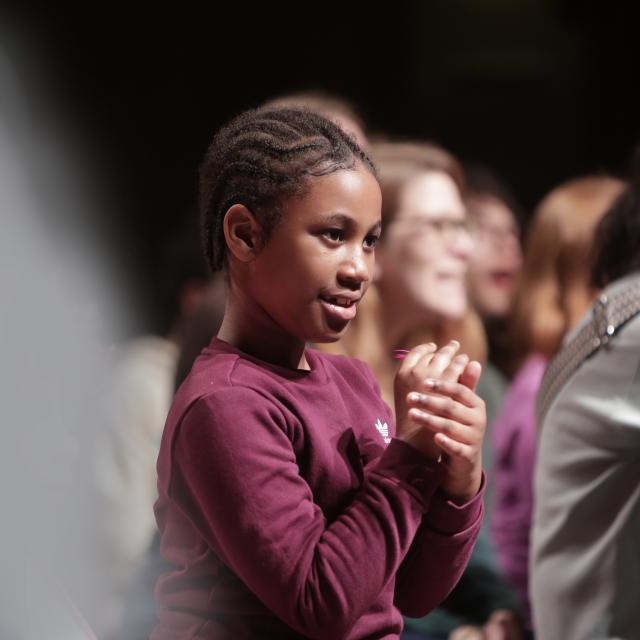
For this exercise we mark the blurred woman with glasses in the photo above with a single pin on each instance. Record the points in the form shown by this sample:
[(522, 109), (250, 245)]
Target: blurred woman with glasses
[(419, 296), (421, 262)]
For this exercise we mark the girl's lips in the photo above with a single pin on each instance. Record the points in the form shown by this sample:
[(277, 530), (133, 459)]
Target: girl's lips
[(339, 312)]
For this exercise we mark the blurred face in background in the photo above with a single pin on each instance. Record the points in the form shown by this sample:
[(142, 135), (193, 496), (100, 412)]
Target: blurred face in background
[(424, 255), (496, 260)]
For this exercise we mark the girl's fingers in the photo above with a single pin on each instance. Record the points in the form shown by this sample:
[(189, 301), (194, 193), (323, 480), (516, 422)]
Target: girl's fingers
[(454, 390), (414, 356), (442, 406), (454, 448), (453, 372), (471, 374), (451, 428), (438, 362)]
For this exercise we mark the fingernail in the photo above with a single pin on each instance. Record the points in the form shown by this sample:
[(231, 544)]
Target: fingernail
[(430, 383), (414, 397)]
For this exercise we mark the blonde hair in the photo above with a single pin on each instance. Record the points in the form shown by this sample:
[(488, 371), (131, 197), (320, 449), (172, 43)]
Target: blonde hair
[(554, 288), (397, 163)]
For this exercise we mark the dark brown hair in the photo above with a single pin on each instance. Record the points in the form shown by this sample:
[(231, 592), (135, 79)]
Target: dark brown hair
[(617, 246), (262, 157)]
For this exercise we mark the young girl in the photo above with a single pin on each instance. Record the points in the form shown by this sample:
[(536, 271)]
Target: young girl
[(288, 503)]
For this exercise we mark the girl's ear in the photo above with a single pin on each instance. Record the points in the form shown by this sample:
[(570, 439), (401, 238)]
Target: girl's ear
[(241, 233)]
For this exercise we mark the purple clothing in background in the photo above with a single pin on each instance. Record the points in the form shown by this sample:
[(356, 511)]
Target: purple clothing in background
[(286, 514), (514, 449)]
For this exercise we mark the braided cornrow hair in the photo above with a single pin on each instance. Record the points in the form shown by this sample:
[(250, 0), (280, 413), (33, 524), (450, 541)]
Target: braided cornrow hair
[(262, 157)]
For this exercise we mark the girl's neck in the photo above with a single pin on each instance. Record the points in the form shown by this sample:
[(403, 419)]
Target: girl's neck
[(250, 330)]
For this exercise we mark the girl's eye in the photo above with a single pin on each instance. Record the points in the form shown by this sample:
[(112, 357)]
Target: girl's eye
[(335, 235), (371, 241)]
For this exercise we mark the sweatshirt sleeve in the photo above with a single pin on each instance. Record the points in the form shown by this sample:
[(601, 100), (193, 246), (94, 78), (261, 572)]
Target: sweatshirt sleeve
[(235, 475), (439, 553), (481, 589)]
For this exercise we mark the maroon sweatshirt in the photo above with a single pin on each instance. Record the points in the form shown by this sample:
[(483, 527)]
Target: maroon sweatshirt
[(286, 514)]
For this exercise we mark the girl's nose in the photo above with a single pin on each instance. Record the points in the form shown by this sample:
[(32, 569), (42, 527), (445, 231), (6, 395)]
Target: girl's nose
[(356, 269)]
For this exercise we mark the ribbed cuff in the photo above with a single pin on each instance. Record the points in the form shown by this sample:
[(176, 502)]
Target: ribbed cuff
[(446, 517), (408, 466)]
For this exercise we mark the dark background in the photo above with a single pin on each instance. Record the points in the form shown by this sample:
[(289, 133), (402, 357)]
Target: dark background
[(540, 90)]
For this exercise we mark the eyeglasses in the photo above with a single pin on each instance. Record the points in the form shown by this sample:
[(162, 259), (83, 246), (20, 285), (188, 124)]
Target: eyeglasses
[(496, 233), (448, 229)]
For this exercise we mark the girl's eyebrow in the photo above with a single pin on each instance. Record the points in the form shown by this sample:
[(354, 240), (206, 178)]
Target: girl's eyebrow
[(348, 221), (339, 218)]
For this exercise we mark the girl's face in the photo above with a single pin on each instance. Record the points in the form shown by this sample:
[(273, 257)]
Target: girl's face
[(426, 249), (319, 260)]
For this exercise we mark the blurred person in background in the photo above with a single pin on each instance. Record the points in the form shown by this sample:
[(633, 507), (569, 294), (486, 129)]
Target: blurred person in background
[(494, 271), (135, 412), (492, 278), (420, 295), (335, 107), (496, 261), (554, 292), (585, 559)]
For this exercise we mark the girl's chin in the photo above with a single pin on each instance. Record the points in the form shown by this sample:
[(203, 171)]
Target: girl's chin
[(328, 334)]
